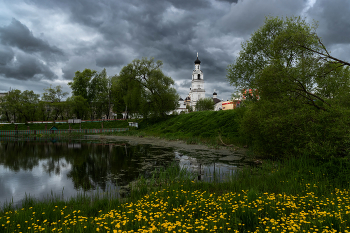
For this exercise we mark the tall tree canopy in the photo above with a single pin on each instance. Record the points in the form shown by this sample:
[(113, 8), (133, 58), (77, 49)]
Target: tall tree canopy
[(144, 89), (282, 60), (95, 88), (20, 106), (81, 83), (304, 92)]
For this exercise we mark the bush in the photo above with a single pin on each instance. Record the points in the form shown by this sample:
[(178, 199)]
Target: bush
[(276, 130)]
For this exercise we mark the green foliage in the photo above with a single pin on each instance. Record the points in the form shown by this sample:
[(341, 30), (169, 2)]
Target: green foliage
[(20, 106), (81, 83), (53, 94), (205, 124), (144, 89), (78, 107), (95, 88), (277, 130), (52, 106), (205, 104), (303, 104)]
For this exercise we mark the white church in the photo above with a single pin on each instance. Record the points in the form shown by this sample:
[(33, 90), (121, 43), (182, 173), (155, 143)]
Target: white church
[(197, 90)]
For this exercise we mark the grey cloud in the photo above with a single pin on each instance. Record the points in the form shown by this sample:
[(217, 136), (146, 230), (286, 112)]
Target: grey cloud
[(110, 59), (24, 67), (7, 55), (77, 63), (333, 20), (247, 16), (230, 1), (18, 35)]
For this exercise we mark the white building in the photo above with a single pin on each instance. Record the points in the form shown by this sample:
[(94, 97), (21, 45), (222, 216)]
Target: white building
[(197, 91), (217, 102)]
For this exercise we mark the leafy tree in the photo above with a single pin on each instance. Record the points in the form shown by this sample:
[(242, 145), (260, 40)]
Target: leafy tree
[(78, 107), (127, 95), (53, 97), (100, 95), (145, 89), (302, 106), (55, 94), (20, 106), (81, 83), (95, 88), (205, 104)]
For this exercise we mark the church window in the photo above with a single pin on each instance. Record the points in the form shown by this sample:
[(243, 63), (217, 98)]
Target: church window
[(199, 76)]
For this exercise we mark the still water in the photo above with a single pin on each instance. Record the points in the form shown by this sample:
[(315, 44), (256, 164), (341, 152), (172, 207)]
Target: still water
[(41, 169)]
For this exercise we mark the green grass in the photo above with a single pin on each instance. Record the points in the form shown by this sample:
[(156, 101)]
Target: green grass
[(194, 128), (286, 196), (295, 194)]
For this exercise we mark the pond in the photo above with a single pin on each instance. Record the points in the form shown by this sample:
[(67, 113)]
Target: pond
[(54, 167)]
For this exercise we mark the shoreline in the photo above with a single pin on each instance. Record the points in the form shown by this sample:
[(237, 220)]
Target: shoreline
[(179, 144)]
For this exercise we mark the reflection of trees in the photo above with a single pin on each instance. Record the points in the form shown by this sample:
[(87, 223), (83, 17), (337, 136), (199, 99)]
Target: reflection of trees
[(92, 165)]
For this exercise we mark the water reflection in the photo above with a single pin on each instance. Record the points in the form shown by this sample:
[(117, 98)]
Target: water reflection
[(64, 168), (39, 168)]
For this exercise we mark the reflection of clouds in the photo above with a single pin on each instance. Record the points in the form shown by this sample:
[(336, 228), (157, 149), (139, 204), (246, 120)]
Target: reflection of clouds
[(209, 172), (35, 183)]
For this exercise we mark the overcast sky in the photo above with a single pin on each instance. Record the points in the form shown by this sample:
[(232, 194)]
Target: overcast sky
[(44, 43)]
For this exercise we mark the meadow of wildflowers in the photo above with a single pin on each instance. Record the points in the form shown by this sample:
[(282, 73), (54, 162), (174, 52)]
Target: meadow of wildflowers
[(272, 198)]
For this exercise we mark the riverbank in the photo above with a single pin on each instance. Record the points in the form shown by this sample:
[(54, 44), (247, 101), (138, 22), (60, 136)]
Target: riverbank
[(276, 196), (293, 194)]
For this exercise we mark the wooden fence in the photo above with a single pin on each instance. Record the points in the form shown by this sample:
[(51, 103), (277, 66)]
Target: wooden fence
[(59, 131)]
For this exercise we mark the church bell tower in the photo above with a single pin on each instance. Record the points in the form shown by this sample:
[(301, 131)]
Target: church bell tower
[(197, 86)]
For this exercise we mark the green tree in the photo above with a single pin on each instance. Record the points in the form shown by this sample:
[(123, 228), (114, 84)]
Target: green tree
[(205, 104), (145, 89), (100, 95), (78, 107), (301, 108), (95, 88), (20, 106), (53, 99), (127, 94), (81, 83)]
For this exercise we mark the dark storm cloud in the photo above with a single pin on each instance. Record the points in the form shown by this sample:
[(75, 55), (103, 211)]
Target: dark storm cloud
[(333, 20), (247, 16), (230, 1), (24, 67), (111, 34), (110, 59), (18, 35), (7, 55)]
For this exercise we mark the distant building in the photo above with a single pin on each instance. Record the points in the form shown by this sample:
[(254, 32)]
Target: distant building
[(2, 94), (197, 90), (182, 106), (217, 102)]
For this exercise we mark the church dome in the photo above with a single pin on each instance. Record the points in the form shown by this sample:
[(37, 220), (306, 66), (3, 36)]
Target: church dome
[(197, 61), (215, 93)]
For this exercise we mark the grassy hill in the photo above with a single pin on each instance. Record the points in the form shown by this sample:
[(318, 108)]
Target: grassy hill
[(206, 125)]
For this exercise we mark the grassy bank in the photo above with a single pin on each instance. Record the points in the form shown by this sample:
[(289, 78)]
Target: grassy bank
[(194, 128), (295, 195)]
